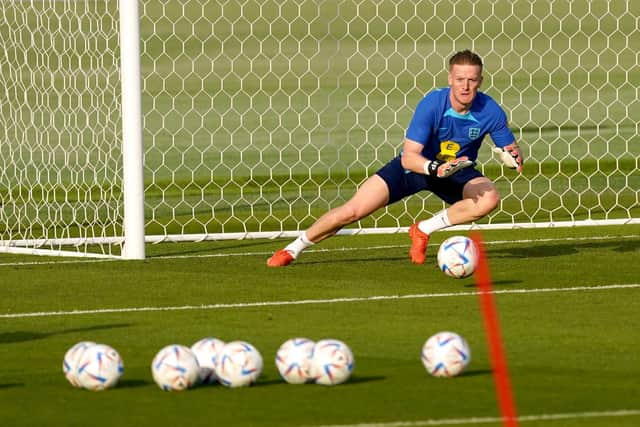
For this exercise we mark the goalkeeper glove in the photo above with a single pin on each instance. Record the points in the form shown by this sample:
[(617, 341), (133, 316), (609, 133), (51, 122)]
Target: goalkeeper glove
[(444, 169), (510, 155)]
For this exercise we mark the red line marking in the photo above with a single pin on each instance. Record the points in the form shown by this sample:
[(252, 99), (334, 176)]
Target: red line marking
[(494, 340)]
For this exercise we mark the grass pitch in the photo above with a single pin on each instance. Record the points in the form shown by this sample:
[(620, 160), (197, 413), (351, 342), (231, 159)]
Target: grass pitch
[(567, 299)]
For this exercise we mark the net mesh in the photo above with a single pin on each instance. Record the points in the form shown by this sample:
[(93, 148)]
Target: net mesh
[(259, 116)]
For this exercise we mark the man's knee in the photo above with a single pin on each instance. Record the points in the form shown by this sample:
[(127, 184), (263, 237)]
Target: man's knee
[(485, 196), (348, 213), (488, 202)]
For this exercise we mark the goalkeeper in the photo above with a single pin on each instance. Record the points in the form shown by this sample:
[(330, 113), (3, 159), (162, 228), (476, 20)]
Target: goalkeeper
[(439, 153)]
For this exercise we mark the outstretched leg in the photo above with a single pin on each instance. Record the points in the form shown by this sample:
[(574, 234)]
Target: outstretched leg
[(371, 196)]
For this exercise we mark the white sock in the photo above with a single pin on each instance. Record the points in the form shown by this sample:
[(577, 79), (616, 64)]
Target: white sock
[(437, 222), (298, 245)]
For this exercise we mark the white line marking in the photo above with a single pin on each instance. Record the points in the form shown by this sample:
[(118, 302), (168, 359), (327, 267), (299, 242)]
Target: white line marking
[(315, 250), (493, 420), (55, 262), (311, 301)]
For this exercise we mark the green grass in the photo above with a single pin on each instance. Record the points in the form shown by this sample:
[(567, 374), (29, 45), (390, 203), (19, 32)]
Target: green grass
[(569, 351)]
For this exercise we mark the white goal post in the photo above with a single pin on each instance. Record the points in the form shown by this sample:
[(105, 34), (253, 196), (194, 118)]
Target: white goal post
[(132, 149), (137, 121)]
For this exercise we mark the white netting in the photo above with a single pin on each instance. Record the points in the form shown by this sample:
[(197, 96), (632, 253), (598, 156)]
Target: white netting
[(275, 111), (261, 115), (60, 157)]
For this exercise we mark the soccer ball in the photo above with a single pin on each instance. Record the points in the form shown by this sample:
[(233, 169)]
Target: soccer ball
[(445, 354), (458, 256), (99, 367), (238, 364), (175, 368), (206, 351), (70, 361), (331, 362), (293, 360)]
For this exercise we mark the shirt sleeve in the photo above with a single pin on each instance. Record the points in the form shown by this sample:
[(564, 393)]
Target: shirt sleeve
[(423, 121), (500, 133)]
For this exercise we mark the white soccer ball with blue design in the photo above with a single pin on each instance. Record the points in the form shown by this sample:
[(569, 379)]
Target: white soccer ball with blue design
[(206, 351), (175, 368), (70, 361), (458, 257), (293, 360), (332, 362), (99, 368), (445, 354), (238, 364)]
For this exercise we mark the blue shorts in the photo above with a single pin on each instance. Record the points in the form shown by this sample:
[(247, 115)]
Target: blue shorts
[(403, 183)]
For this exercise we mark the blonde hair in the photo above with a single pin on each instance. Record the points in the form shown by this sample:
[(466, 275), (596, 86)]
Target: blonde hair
[(465, 57)]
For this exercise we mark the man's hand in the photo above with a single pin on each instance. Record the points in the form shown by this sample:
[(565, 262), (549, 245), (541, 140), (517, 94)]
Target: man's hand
[(510, 155), (444, 169)]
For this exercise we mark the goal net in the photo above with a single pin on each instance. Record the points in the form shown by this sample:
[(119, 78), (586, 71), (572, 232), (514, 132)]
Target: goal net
[(258, 116)]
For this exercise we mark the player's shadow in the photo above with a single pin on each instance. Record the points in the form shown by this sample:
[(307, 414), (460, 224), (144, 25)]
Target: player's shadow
[(22, 336), (570, 247)]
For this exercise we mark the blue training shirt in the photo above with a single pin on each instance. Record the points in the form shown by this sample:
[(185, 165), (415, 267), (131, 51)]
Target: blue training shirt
[(447, 134)]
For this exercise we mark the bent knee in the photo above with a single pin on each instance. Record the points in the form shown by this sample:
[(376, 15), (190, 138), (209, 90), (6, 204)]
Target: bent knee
[(484, 194), (349, 213), (488, 202), (492, 199)]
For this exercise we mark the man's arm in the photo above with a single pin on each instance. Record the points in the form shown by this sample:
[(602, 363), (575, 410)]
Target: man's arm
[(413, 160)]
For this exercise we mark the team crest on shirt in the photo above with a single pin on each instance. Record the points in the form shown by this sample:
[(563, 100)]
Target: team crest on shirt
[(474, 133)]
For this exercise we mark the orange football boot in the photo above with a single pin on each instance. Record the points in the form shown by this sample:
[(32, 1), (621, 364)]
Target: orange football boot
[(419, 241), (280, 258)]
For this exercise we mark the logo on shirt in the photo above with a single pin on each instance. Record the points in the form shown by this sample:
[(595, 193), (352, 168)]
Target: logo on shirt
[(474, 133)]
